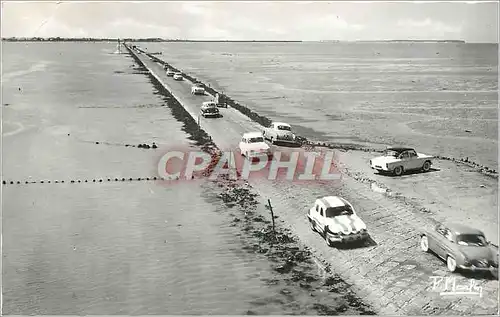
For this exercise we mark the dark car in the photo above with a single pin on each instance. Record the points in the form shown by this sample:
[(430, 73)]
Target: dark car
[(209, 109), (462, 247)]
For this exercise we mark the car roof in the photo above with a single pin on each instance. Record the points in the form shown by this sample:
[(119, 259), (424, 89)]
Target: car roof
[(281, 123), (252, 135), (399, 149), (332, 201), (459, 229)]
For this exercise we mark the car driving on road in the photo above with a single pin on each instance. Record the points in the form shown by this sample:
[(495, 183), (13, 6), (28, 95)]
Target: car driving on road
[(336, 220), (462, 247), (253, 145), (178, 76), (397, 160), (209, 109)]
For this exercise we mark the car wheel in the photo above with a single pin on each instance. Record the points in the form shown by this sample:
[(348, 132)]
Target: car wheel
[(451, 264), (427, 166), (313, 225), (398, 170), (424, 243)]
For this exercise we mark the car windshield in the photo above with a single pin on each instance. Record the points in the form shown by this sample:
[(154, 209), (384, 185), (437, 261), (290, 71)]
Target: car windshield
[(471, 240), (338, 211), (256, 140), (210, 105), (391, 153), (284, 127)]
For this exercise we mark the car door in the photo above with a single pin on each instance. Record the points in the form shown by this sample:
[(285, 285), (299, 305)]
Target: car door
[(439, 240), (404, 157), (321, 217), (413, 160)]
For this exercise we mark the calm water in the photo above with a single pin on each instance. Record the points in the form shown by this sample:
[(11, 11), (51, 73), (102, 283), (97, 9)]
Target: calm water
[(421, 95), (111, 247)]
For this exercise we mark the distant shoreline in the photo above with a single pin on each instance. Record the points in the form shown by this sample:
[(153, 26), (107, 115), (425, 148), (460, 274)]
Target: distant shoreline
[(61, 39)]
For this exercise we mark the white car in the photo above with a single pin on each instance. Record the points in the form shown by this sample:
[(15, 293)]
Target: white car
[(397, 160), (197, 89), (336, 220), (279, 132), (178, 76), (170, 73), (253, 145)]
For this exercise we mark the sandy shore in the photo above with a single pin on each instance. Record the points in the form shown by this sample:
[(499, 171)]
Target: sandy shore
[(392, 274)]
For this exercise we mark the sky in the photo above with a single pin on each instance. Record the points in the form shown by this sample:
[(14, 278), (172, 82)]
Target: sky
[(254, 20)]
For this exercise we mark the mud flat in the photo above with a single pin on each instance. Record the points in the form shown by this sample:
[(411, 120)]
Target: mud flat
[(89, 230), (390, 272)]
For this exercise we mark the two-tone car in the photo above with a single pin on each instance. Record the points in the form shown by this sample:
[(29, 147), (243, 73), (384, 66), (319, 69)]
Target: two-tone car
[(253, 145), (209, 109), (462, 247), (197, 89), (397, 160), (336, 220), (279, 132), (178, 76)]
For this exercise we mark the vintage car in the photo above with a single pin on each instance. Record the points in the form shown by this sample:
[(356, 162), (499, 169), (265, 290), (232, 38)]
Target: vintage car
[(253, 145), (209, 109), (197, 89), (178, 76), (462, 247), (397, 160), (336, 220), (279, 132), (170, 73)]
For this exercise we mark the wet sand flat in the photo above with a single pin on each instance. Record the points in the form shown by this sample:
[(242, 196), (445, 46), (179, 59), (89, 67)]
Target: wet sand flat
[(439, 98), (85, 233)]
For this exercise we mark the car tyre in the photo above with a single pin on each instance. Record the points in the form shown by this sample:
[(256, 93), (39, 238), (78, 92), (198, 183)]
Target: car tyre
[(427, 166), (398, 170), (424, 243), (313, 225), (451, 264)]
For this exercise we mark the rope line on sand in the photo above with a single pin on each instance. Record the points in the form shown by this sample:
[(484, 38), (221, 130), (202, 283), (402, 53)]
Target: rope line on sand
[(80, 181)]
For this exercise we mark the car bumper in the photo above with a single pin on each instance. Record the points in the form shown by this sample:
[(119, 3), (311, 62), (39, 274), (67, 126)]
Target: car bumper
[(348, 237), (379, 168), (260, 155), (473, 268), (210, 114)]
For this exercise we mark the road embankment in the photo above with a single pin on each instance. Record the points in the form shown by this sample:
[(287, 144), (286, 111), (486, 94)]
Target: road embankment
[(391, 273)]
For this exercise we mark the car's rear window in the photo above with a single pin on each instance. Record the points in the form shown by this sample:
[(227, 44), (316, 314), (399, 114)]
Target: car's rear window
[(256, 139)]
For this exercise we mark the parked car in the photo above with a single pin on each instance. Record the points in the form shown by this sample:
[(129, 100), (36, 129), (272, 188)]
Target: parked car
[(178, 76), (279, 132), (462, 247), (397, 160), (336, 220), (253, 145), (197, 89), (209, 109), (170, 73)]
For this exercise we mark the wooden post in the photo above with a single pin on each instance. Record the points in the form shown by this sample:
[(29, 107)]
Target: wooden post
[(272, 216)]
